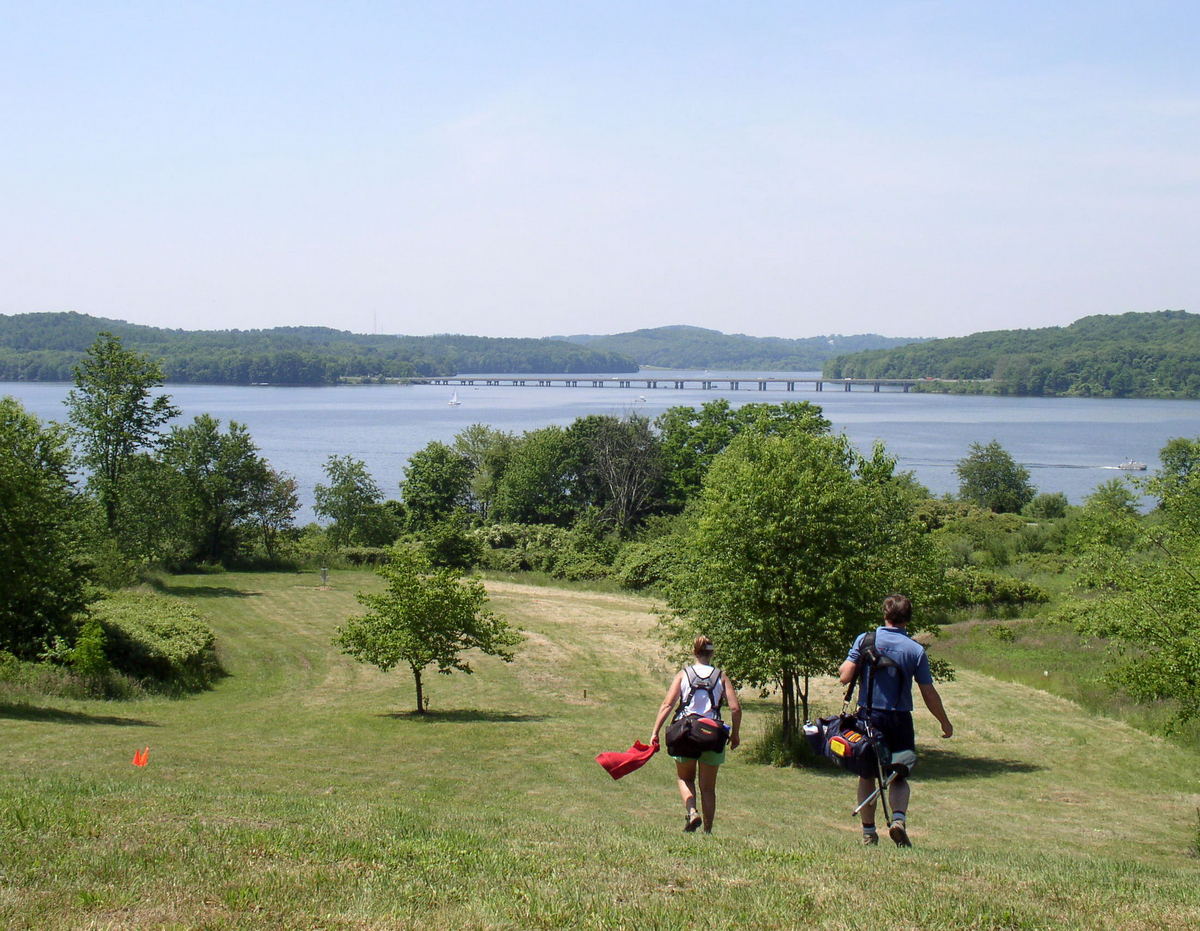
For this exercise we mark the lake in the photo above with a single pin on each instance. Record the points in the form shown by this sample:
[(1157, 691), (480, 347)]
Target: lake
[(1068, 444)]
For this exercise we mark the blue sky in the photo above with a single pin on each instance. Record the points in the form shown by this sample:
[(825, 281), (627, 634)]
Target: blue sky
[(529, 169)]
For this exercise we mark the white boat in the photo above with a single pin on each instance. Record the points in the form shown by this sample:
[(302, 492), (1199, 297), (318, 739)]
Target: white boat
[(454, 401), (1132, 465)]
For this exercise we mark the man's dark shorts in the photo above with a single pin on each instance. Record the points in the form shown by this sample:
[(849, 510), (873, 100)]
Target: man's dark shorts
[(896, 728)]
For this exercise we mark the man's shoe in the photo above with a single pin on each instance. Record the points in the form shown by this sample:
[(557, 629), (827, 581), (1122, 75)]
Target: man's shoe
[(870, 840), (899, 833), (692, 821)]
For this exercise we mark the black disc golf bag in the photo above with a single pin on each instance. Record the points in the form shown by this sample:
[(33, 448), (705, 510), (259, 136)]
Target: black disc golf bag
[(692, 734), (843, 739)]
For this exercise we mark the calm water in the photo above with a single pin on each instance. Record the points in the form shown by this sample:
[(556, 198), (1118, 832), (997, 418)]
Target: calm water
[(1068, 445)]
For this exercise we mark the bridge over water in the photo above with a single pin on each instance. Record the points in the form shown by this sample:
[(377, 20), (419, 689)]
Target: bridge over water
[(652, 382)]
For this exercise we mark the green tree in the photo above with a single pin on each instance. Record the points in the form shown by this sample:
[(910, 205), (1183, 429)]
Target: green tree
[(795, 540), (487, 450), (539, 484), (437, 482), (691, 438), (1180, 459), (272, 508), (1148, 609), (424, 617), (114, 415), (351, 499), (991, 478), (617, 467), (42, 582), (222, 474)]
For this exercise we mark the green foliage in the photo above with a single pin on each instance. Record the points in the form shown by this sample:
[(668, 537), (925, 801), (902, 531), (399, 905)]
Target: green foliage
[(46, 346), (222, 480), (538, 485), (974, 587), (88, 657), (43, 584), (424, 617), (1140, 355), (452, 542), (1108, 519), (990, 478), (796, 540), (437, 482), (1049, 505), (691, 438), (349, 500), (487, 452), (779, 746), (1146, 613), (114, 416), (153, 637), (618, 468)]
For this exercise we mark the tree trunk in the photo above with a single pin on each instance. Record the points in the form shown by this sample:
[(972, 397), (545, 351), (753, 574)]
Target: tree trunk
[(787, 683), (804, 698), (420, 695)]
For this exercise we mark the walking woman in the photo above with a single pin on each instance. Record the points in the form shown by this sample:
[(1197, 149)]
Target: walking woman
[(700, 689)]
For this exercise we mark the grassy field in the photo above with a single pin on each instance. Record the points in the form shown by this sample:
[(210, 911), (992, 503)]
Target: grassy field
[(301, 792)]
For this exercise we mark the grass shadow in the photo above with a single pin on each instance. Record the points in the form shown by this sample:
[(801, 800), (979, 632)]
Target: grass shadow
[(946, 764), (21, 712), (466, 716), (205, 591)]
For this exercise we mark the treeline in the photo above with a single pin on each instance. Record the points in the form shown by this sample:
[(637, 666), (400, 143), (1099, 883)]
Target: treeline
[(47, 346), (689, 347), (1135, 355), (755, 522)]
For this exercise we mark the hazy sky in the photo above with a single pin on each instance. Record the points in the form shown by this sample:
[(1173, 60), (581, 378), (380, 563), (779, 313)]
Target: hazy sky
[(774, 168)]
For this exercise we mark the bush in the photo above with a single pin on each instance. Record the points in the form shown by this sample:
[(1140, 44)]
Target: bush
[(975, 587), (21, 680), (645, 564), (87, 658), (365, 555), (776, 747), (451, 543), (1049, 505), (153, 637)]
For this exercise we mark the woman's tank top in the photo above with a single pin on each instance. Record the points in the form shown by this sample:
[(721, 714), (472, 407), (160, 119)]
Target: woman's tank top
[(695, 701)]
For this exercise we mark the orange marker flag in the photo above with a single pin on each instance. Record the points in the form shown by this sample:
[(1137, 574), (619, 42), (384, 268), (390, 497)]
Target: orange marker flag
[(141, 757)]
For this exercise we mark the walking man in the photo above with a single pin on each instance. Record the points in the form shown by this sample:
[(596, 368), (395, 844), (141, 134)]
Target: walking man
[(891, 708)]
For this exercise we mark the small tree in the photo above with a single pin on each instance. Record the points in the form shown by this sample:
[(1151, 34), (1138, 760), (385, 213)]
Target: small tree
[(350, 500), (991, 478), (114, 416), (424, 617)]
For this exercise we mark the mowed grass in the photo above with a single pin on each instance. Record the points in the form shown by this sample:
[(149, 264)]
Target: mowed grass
[(302, 792)]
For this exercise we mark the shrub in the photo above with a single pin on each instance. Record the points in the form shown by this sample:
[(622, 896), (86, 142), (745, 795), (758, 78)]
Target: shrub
[(87, 658), (451, 543), (645, 564), (365, 555), (975, 587), (778, 747), (151, 636)]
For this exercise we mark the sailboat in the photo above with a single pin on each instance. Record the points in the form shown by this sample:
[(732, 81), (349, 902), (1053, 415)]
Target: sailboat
[(454, 401)]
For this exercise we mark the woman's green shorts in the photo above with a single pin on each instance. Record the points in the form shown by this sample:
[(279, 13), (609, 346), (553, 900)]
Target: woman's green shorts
[(711, 757)]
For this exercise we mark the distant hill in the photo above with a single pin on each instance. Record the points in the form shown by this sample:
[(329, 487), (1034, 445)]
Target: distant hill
[(1134, 355), (687, 347), (46, 347)]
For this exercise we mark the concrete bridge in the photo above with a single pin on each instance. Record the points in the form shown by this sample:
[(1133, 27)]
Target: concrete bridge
[(652, 382)]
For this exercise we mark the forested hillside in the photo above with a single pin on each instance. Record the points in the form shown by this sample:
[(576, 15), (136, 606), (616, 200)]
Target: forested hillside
[(47, 346), (1135, 355), (689, 347)]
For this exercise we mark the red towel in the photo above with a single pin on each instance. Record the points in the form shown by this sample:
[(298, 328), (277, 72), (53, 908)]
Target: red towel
[(622, 764)]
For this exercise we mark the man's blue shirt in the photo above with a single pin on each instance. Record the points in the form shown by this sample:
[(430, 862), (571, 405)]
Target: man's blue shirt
[(893, 689)]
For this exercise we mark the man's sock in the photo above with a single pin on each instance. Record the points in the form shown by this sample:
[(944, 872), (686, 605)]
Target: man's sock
[(898, 816), (868, 829)]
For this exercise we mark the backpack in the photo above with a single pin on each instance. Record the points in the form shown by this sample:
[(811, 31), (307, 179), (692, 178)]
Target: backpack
[(693, 734)]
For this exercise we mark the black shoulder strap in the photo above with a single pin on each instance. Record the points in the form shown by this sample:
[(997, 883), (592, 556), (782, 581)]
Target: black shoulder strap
[(868, 656)]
